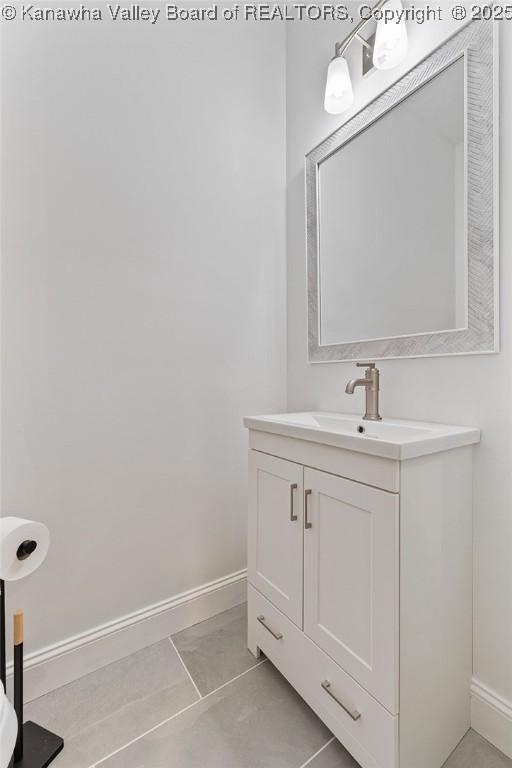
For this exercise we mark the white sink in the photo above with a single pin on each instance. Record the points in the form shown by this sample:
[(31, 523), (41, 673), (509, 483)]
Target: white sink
[(391, 438)]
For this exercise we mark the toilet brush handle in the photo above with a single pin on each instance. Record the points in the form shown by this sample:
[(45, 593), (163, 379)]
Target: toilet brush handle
[(18, 681)]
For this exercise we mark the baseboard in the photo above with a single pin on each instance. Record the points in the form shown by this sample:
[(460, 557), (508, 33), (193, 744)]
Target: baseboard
[(76, 656), (491, 716)]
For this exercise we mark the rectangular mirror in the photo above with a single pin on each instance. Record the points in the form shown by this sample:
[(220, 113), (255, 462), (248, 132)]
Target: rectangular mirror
[(401, 216)]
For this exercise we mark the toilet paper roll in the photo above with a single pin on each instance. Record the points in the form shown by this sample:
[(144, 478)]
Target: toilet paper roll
[(18, 555)]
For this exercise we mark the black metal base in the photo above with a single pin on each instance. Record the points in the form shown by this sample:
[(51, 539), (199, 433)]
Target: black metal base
[(40, 747)]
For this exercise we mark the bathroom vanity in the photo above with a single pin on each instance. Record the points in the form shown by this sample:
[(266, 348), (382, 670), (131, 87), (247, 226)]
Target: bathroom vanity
[(360, 577)]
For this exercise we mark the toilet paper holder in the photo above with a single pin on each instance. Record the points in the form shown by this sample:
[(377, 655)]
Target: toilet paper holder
[(25, 549), (36, 747)]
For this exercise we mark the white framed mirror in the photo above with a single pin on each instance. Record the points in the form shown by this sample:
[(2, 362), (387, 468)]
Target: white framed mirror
[(401, 215)]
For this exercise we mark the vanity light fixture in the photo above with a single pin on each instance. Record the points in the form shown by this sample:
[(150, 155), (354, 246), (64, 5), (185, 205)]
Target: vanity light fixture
[(389, 50)]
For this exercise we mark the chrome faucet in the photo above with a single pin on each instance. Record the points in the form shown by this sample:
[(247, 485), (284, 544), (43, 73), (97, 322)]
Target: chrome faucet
[(371, 384)]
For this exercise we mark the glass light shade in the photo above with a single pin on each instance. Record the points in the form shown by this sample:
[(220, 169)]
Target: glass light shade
[(339, 95), (390, 40)]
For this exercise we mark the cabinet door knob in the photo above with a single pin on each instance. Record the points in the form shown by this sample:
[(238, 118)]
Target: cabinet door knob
[(277, 635), (307, 494), (293, 517), (354, 714)]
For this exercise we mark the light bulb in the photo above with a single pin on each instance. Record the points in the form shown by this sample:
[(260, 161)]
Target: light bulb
[(391, 39), (339, 95)]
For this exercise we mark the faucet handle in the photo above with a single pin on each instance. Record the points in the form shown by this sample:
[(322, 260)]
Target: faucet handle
[(366, 365)]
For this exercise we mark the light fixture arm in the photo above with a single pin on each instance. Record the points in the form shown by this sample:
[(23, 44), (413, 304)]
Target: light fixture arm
[(340, 48)]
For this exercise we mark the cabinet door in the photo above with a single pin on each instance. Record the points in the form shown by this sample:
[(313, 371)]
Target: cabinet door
[(275, 532), (351, 579)]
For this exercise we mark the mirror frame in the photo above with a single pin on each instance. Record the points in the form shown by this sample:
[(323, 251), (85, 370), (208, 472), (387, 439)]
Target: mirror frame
[(477, 43)]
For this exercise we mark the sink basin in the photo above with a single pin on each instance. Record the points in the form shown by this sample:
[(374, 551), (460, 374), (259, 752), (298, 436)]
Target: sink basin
[(390, 438)]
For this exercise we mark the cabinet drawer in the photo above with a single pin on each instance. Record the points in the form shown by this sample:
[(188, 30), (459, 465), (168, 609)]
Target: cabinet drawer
[(362, 725)]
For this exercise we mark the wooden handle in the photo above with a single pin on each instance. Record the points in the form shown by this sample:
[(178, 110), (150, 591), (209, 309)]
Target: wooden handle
[(18, 627)]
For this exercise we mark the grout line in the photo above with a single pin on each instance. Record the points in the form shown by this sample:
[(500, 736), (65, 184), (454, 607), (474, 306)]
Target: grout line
[(186, 669), (308, 762), (177, 714)]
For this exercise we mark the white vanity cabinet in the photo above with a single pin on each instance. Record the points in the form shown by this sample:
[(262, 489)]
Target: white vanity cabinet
[(360, 580)]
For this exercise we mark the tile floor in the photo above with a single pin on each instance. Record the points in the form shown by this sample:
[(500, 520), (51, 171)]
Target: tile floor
[(200, 700)]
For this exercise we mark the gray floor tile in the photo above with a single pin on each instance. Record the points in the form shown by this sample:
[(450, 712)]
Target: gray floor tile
[(472, 752), (333, 756), (215, 650), (476, 752), (257, 721), (104, 710)]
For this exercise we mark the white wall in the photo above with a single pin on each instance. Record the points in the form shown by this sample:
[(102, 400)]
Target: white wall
[(142, 302), (460, 390)]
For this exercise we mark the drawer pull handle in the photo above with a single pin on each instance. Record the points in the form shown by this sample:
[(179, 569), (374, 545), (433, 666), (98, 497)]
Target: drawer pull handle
[(307, 494), (354, 714), (293, 517), (277, 635)]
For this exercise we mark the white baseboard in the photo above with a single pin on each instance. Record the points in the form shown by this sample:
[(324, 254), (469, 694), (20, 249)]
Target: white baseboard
[(491, 716), (70, 659)]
